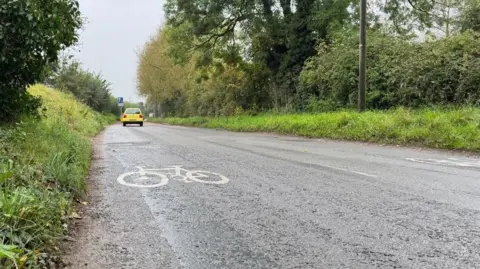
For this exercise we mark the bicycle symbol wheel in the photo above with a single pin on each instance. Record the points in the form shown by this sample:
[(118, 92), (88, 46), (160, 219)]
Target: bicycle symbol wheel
[(203, 177), (142, 176)]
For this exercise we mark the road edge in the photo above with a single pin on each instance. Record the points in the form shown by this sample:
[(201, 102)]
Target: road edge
[(79, 226)]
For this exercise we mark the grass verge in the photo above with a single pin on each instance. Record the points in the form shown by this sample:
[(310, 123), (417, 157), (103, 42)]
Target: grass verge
[(457, 128), (43, 166)]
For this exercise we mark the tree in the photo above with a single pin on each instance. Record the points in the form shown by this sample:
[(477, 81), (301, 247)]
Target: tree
[(445, 16), (442, 18), (158, 77), (281, 36), (470, 16), (32, 32), (90, 88), (227, 56)]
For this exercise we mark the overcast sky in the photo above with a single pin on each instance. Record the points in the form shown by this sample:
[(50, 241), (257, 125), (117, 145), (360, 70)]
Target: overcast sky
[(115, 31)]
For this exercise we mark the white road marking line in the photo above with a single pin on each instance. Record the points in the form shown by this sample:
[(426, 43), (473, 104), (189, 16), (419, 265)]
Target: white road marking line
[(349, 171), (449, 161)]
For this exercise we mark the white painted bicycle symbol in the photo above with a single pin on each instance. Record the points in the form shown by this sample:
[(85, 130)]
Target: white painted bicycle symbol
[(152, 178)]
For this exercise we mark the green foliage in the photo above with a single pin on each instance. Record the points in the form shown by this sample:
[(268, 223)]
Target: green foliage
[(89, 88), (437, 128), (222, 57), (43, 166), (32, 32), (470, 19), (400, 72), (253, 34), (10, 255)]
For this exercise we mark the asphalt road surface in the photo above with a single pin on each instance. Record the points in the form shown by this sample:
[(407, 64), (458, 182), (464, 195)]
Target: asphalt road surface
[(267, 201)]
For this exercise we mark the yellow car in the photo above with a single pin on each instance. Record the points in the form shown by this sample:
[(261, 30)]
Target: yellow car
[(132, 116)]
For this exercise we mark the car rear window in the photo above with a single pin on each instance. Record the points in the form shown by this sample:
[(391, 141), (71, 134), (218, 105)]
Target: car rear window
[(132, 111)]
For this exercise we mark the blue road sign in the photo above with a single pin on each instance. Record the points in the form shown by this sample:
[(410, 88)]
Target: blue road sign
[(120, 101)]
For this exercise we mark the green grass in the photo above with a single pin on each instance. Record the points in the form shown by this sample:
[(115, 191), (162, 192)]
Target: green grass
[(43, 166), (457, 128)]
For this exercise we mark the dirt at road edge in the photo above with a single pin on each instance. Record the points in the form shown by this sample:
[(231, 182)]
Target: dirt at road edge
[(82, 227)]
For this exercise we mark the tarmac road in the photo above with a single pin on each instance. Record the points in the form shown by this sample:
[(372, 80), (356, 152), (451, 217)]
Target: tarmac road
[(289, 203)]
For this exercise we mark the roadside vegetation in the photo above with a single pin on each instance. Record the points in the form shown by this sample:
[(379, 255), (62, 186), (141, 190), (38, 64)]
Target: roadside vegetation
[(219, 59), (436, 128), (88, 87), (43, 165), (32, 34), (44, 133)]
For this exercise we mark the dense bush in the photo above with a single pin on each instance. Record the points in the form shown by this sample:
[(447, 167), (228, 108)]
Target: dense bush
[(400, 72)]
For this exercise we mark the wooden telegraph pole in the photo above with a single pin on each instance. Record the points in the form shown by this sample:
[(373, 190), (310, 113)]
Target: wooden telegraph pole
[(362, 80)]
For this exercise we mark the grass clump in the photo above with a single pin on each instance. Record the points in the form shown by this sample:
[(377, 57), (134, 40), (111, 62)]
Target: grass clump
[(445, 128), (43, 166)]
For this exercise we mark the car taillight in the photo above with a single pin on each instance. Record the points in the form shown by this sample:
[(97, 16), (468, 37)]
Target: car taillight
[(141, 116), (124, 116)]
